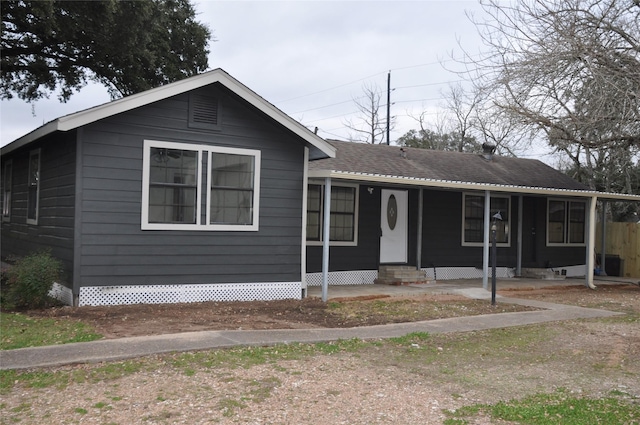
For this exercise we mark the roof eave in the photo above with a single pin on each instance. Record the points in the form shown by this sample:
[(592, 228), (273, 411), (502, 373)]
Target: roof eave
[(39, 132), (450, 184), (78, 119)]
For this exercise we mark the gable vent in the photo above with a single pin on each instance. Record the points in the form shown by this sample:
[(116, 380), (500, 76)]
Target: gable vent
[(204, 111)]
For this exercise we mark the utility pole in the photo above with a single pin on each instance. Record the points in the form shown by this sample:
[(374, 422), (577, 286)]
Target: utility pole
[(388, 104)]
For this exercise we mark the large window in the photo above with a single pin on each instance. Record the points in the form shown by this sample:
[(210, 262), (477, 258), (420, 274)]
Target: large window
[(232, 188), (343, 222), (473, 220), (566, 222), (33, 187), (7, 183), (199, 187)]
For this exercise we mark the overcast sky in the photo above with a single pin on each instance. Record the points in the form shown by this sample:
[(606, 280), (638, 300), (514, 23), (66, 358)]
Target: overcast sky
[(311, 59)]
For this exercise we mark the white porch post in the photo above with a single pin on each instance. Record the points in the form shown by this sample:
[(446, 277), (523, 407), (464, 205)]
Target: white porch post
[(519, 254), (603, 239), (485, 245), (303, 253), (419, 242), (325, 238), (591, 241)]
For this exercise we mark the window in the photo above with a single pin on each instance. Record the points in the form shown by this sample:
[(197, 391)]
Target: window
[(566, 222), (7, 184), (473, 225), (343, 222), (232, 187), (199, 187), (314, 212), (33, 187)]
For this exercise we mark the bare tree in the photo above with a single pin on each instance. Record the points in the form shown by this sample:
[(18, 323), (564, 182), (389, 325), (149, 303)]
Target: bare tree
[(369, 126), (570, 68), (504, 131), (462, 106), (465, 122), (442, 134)]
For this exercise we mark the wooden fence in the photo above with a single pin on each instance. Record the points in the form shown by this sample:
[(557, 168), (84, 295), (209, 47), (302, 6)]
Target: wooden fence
[(623, 240)]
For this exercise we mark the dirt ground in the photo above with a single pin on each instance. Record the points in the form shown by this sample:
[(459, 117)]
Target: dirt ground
[(153, 319), (385, 383)]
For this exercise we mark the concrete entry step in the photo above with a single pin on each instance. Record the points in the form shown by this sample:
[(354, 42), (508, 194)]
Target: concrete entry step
[(401, 275), (546, 274)]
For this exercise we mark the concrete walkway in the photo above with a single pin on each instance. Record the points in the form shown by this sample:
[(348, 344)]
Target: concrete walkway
[(126, 348)]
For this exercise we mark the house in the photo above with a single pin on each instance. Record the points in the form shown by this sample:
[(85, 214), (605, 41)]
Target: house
[(433, 211), (188, 192), (202, 190)]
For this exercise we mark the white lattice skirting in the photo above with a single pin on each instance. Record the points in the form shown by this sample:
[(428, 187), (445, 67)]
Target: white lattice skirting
[(161, 294), (354, 277), (449, 273), (366, 277)]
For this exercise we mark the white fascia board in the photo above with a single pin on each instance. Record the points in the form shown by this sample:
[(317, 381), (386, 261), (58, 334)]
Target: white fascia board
[(42, 131), (277, 115), (449, 184), (78, 119)]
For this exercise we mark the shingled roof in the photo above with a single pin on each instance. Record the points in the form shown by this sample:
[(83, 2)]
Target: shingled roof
[(426, 164)]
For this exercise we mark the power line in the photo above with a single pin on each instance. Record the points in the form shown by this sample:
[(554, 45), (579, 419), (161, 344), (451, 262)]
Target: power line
[(426, 85), (329, 89)]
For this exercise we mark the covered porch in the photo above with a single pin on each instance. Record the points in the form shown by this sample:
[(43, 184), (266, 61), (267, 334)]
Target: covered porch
[(438, 211), (472, 288)]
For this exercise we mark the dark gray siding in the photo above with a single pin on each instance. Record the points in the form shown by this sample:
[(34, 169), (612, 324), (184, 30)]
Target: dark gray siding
[(54, 230), (442, 236), (535, 252), (365, 255), (115, 251)]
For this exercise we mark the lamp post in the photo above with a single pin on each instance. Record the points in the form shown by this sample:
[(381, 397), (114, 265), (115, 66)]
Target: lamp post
[(494, 255)]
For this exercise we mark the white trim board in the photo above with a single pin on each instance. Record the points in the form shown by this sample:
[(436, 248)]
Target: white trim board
[(88, 116)]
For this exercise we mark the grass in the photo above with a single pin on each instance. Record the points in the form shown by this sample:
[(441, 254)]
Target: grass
[(559, 408), (189, 363), (411, 350), (20, 331)]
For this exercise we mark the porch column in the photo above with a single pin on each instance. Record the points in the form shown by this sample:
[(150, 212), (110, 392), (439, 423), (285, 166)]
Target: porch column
[(303, 251), (485, 245), (591, 241), (325, 238), (419, 242), (603, 237), (519, 248)]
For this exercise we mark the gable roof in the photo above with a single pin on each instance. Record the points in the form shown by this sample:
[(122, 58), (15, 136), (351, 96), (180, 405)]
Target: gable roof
[(443, 169), (320, 148)]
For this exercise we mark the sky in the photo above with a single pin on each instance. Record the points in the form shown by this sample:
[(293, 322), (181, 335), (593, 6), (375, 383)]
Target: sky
[(311, 59)]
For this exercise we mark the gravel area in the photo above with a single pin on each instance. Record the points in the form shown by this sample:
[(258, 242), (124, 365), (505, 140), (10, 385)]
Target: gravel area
[(379, 383)]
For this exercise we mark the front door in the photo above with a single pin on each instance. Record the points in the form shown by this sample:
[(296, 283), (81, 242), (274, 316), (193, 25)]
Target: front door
[(393, 216)]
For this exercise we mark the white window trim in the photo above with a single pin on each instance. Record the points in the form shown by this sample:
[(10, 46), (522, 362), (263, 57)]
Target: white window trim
[(201, 149), (355, 212), (566, 235), (7, 187), (34, 220), (508, 215)]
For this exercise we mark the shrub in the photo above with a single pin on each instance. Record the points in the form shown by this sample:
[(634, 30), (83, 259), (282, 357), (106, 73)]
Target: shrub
[(31, 279)]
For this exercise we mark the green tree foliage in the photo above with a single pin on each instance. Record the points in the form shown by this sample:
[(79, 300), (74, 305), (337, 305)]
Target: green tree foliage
[(128, 46), (429, 139)]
